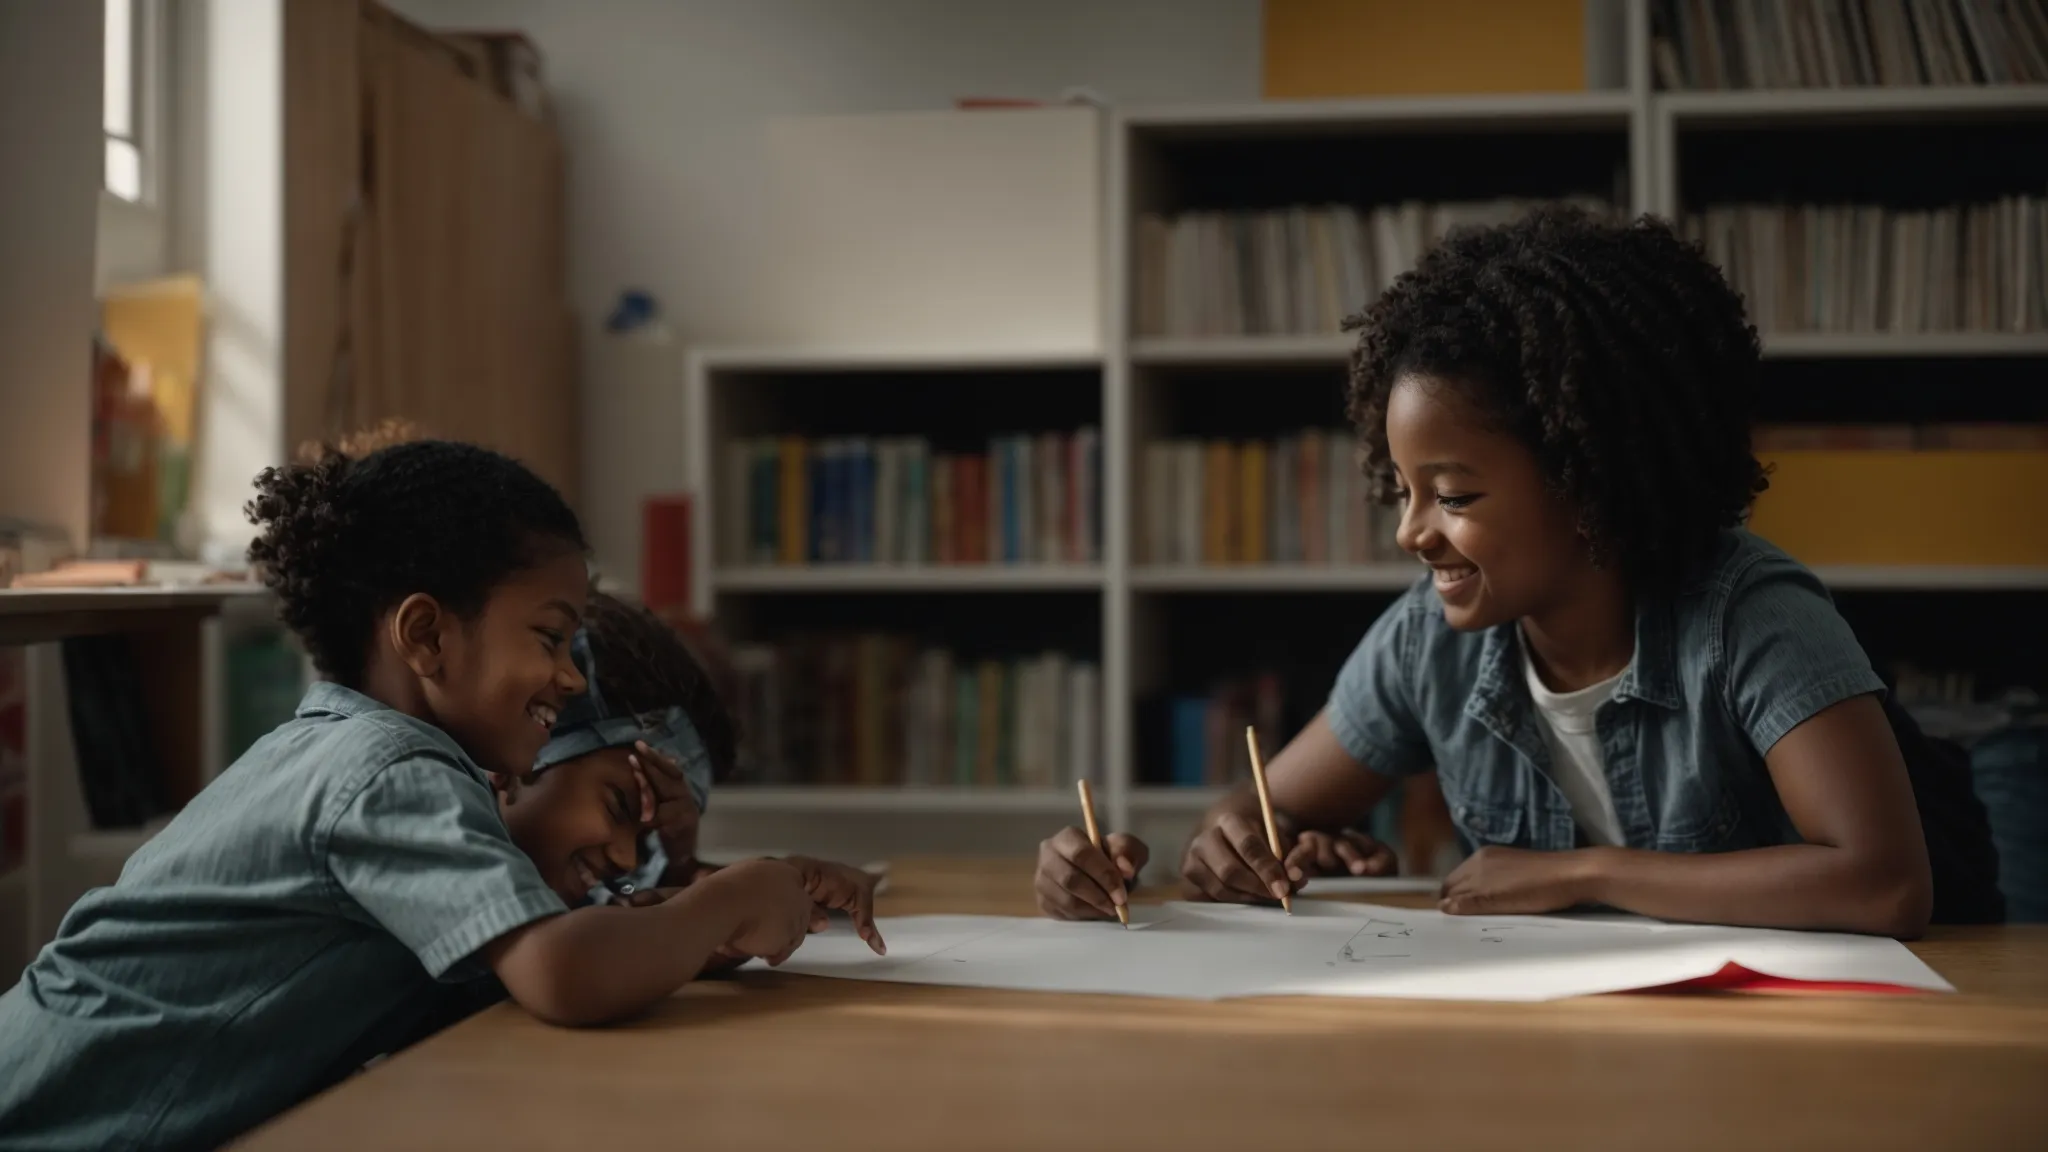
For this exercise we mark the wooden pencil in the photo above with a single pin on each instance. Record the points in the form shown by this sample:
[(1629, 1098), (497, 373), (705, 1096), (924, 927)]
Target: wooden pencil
[(1095, 836), (1251, 743)]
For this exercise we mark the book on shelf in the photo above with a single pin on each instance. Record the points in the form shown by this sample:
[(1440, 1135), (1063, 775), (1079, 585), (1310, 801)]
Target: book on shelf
[(1195, 740), (1298, 499), (877, 709), (1867, 268), (1291, 271), (120, 774), (1736, 44), (1029, 499), (1903, 437)]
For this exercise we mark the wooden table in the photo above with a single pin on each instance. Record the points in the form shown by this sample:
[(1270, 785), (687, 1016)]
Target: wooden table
[(786, 1062)]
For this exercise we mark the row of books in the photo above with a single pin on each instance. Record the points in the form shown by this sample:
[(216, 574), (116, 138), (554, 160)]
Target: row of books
[(1865, 268), (879, 709), (1196, 739), (1205, 734), (895, 500), (1294, 271), (1299, 499), (1848, 43), (1903, 437)]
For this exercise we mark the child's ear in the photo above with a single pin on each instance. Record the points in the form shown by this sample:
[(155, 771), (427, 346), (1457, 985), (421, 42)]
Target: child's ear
[(416, 626)]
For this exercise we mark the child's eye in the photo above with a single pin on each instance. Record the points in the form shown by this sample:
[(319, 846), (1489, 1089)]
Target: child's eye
[(622, 810), (1453, 503), (550, 639)]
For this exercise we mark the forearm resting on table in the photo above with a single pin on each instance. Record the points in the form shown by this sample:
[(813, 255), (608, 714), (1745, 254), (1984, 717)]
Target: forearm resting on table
[(1804, 886), (603, 963)]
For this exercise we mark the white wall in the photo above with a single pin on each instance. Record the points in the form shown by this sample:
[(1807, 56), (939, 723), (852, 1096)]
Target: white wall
[(239, 235), (50, 61), (662, 105)]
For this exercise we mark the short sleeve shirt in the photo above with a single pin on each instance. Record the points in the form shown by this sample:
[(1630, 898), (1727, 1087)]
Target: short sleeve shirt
[(1722, 671), (309, 910)]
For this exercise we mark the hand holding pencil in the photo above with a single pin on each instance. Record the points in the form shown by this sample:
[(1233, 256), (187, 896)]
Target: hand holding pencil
[(1079, 878), (1242, 856)]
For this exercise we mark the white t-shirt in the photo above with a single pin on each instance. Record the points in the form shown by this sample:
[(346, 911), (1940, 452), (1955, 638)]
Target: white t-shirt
[(1576, 763)]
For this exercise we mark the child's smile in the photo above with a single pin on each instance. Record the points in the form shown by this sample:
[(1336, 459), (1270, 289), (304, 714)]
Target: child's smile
[(578, 821), (1475, 508)]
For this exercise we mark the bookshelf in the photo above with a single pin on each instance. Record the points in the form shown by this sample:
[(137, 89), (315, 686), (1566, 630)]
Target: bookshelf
[(1163, 629), (180, 636), (910, 578)]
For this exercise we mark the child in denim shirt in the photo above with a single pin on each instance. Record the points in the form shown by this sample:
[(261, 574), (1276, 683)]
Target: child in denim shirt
[(650, 723), (1629, 700), (308, 909)]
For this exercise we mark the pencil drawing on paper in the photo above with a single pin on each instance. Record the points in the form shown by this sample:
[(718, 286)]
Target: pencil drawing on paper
[(1497, 933), (1378, 940)]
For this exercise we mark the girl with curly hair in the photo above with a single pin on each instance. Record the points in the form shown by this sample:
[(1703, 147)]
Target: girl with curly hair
[(1629, 700)]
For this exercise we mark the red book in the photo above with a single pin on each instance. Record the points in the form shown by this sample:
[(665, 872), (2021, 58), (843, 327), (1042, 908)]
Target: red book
[(665, 554)]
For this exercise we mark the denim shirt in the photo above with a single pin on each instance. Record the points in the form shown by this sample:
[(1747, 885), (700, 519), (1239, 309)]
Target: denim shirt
[(1721, 671), (317, 905)]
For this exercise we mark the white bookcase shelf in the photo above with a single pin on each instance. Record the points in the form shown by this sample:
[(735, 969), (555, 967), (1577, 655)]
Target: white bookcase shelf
[(1161, 627), (1902, 345), (1932, 578), (938, 801), (1275, 578), (1787, 106), (1220, 352), (1223, 353), (840, 578), (1535, 112)]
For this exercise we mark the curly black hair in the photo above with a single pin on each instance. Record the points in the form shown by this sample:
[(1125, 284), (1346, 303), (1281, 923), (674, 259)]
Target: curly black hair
[(644, 665), (1616, 351), (344, 536)]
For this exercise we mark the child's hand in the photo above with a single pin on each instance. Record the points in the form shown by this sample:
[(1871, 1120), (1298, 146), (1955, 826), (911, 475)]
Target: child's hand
[(773, 908), (845, 888), (1514, 881), (666, 806), (1078, 881), (1230, 862), (1345, 853)]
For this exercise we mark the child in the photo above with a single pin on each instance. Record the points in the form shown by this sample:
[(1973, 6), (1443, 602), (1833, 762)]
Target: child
[(296, 917), (650, 731), (1629, 700)]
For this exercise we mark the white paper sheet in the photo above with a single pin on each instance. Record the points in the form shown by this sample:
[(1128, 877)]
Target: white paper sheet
[(1367, 885), (1214, 952)]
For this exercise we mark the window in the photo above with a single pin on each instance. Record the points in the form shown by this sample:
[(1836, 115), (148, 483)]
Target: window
[(126, 104)]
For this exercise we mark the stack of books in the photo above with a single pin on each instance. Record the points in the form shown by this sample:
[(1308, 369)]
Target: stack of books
[(876, 709), (1029, 499), (1295, 271), (1300, 499), (1848, 43), (1867, 268)]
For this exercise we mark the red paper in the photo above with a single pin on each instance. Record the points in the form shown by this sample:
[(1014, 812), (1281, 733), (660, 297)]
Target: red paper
[(1736, 978)]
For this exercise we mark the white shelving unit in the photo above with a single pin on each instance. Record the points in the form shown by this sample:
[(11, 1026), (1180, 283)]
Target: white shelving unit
[(66, 856), (940, 801), (904, 578), (1275, 578), (1169, 160)]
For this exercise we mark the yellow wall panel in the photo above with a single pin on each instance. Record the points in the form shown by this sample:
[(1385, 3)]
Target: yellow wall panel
[(1924, 507), (1329, 48)]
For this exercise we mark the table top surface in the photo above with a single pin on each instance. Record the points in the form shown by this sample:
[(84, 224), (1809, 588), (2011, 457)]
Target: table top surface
[(43, 615), (773, 1061)]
